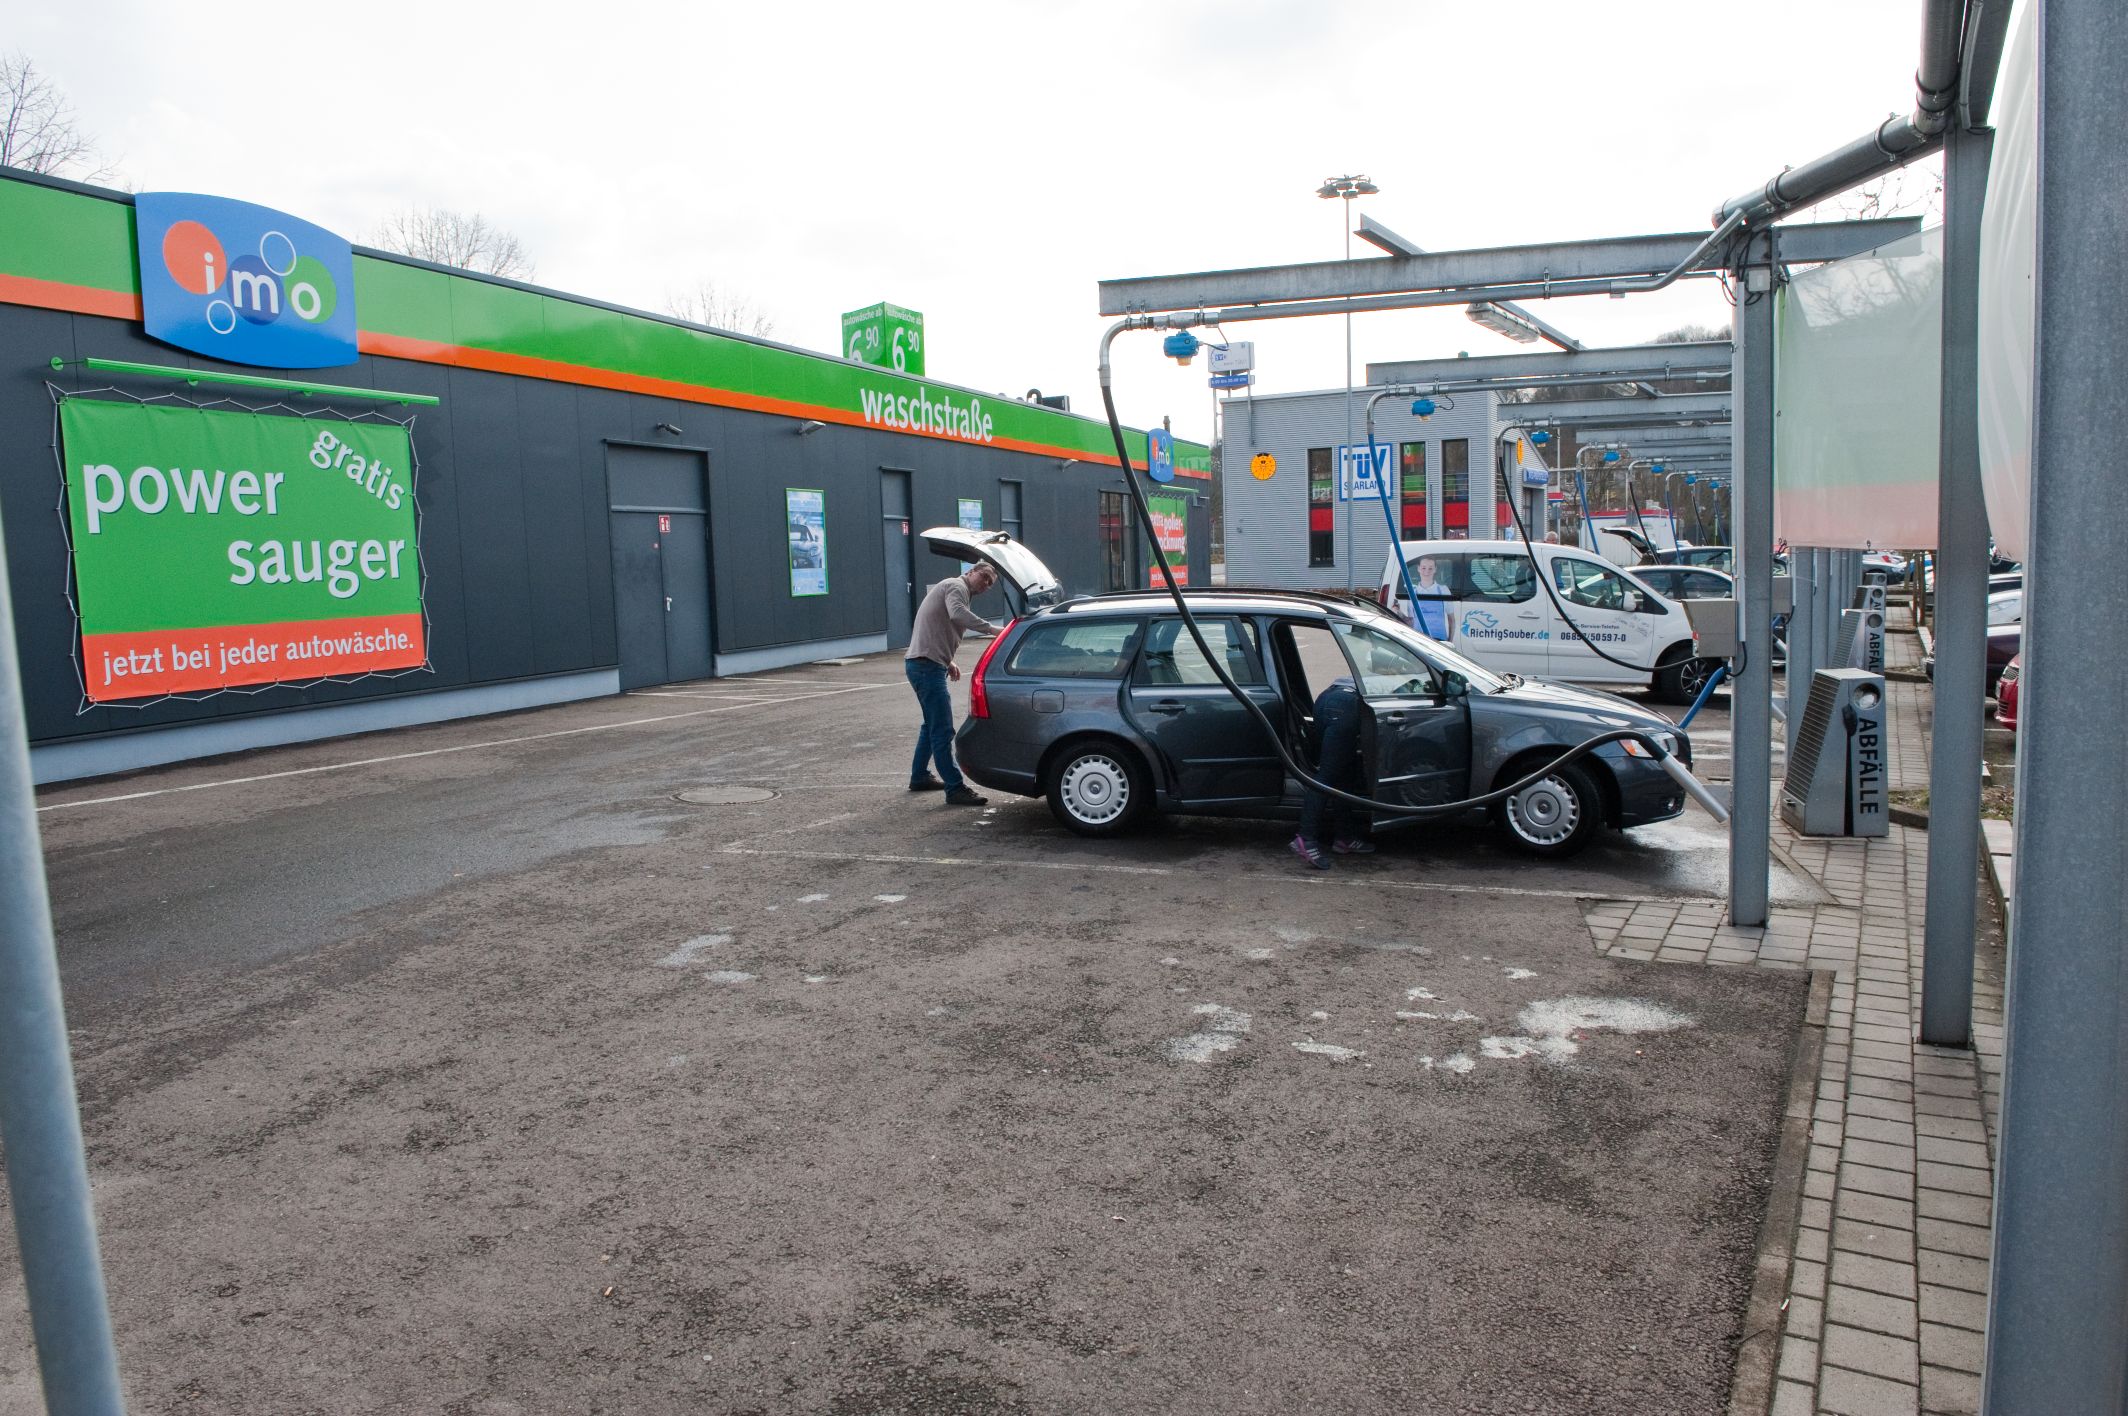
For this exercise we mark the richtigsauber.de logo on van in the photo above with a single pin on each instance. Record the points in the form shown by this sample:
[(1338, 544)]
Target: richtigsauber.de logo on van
[(1480, 624), (244, 283)]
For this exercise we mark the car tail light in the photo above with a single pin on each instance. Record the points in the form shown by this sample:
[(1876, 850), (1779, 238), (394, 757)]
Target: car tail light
[(978, 698)]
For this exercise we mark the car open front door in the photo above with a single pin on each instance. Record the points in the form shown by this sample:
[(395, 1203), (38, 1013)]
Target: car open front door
[(1414, 733), (1215, 750), (1029, 583)]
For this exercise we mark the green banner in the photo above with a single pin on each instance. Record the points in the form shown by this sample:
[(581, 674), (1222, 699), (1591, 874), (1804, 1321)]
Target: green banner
[(218, 548)]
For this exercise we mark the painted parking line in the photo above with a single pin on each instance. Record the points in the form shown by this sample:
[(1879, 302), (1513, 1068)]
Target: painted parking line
[(1110, 868), (759, 702)]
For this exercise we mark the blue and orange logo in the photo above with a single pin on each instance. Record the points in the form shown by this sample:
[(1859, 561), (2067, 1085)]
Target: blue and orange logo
[(243, 283)]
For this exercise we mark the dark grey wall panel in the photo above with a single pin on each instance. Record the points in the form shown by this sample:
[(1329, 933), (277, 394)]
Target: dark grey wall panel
[(515, 535)]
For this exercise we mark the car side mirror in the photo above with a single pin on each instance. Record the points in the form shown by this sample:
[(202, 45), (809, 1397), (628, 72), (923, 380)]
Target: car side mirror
[(1634, 604), (1454, 686)]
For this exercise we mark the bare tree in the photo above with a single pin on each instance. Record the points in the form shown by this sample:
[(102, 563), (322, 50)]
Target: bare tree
[(706, 303), (468, 241), (37, 128)]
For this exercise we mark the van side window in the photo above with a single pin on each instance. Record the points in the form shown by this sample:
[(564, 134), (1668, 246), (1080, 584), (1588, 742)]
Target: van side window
[(1503, 579), (1171, 657), (1587, 583), (1087, 649)]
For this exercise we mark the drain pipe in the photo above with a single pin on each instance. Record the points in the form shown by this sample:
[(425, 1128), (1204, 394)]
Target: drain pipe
[(1895, 142)]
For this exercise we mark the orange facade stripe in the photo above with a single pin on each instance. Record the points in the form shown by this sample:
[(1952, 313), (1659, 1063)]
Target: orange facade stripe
[(76, 299)]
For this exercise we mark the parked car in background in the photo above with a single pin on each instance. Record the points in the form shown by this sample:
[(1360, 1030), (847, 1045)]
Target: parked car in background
[(1685, 582), (1483, 597), (2006, 692), (1721, 558), (1106, 706)]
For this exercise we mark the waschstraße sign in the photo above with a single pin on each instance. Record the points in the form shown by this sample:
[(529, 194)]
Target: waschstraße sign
[(243, 283), (213, 549)]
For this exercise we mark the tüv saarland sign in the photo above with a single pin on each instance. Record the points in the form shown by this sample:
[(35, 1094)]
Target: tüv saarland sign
[(243, 283)]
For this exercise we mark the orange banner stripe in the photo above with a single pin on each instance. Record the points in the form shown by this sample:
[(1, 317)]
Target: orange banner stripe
[(148, 663)]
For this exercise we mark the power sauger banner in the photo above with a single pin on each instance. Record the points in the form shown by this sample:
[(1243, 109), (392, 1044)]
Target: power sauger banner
[(213, 549)]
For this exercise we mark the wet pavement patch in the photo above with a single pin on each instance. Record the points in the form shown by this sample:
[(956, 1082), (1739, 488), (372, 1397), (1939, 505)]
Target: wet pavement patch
[(725, 796)]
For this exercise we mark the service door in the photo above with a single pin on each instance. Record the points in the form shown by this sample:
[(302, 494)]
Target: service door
[(1597, 597), (899, 539), (659, 519), (1215, 750), (1414, 739)]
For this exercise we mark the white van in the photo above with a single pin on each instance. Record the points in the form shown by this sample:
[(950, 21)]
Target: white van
[(1483, 597)]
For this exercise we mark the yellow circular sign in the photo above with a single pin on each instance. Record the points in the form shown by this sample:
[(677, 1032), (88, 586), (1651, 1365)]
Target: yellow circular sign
[(1262, 465)]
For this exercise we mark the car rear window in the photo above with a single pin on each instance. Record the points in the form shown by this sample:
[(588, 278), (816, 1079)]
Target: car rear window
[(1077, 649)]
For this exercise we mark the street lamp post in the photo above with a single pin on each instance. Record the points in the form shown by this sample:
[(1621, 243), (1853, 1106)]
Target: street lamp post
[(1348, 189)]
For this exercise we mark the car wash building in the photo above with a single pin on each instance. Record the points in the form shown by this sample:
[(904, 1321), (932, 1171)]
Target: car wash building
[(1300, 505), (261, 486)]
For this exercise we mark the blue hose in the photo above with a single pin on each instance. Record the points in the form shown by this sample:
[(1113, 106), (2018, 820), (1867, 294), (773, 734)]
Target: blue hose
[(1721, 671)]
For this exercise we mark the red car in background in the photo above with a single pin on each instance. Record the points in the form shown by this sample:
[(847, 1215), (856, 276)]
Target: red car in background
[(2006, 693)]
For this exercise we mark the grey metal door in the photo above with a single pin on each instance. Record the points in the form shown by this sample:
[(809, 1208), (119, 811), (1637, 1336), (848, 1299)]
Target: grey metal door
[(659, 504), (686, 562), (899, 538), (639, 597)]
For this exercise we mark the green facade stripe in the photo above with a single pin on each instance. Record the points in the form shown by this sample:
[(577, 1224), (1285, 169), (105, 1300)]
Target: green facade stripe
[(75, 239)]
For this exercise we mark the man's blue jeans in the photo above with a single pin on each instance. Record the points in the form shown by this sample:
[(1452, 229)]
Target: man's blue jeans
[(1337, 722), (934, 741)]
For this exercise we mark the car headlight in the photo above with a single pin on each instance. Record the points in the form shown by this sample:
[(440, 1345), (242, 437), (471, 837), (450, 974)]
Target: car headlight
[(1634, 748)]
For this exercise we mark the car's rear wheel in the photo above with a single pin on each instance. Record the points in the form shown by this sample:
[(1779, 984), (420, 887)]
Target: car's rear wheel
[(1680, 676), (1098, 788), (1557, 815)]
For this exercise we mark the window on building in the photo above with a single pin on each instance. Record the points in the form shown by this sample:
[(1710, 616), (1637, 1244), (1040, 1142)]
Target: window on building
[(1322, 503), (1115, 545), (1009, 509), (1412, 463), (1455, 489)]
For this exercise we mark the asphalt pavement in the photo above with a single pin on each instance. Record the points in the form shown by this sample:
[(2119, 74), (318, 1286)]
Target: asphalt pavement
[(472, 1069)]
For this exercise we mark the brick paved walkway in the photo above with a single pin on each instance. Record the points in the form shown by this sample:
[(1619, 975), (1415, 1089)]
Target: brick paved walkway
[(1887, 1296)]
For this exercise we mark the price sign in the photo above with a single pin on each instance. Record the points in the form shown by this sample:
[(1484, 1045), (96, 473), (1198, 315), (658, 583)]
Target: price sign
[(885, 335)]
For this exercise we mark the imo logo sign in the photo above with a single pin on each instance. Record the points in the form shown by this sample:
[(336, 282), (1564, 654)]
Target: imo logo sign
[(244, 283)]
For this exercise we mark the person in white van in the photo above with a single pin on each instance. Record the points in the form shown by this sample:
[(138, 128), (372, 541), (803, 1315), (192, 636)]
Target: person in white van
[(1487, 600)]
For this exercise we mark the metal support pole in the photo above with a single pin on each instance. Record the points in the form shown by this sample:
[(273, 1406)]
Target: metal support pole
[(2058, 1300), (1962, 601), (47, 1171), (1751, 696), (1828, 602), (1802, 635)]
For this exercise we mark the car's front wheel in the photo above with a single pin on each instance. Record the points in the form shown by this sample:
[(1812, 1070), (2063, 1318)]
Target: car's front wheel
[(1098, 788), (1556, 815)]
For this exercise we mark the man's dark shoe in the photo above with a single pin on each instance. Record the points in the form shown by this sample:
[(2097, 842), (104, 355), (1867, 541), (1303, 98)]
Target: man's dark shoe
[(966, 796), (927, 784)]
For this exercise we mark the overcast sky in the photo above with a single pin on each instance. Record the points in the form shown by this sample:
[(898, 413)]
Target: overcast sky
[(988, 164)]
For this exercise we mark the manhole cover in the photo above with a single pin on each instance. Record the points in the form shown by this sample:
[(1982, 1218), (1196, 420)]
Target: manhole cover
[(725, 796)]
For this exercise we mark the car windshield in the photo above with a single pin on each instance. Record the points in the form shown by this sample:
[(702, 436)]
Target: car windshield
[(1480, 678)]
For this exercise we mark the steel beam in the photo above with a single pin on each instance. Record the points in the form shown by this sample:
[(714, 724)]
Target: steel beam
[(1626, 363), (1802, 636), (2058, 1290), (1961, 614), (40, 1126), (1541, 266), (1665, 408), (1751, 697)]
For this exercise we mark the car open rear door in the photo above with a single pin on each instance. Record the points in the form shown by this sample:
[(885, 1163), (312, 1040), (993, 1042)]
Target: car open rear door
[(1029, 583), (1414, 735)]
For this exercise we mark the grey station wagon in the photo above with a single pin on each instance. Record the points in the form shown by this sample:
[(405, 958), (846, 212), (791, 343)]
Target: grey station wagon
[(1106, 706)]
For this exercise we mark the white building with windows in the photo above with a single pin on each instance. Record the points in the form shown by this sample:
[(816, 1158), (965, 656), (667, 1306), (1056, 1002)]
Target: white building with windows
[(1293, 530)]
